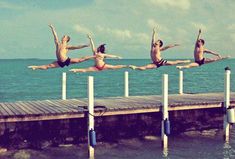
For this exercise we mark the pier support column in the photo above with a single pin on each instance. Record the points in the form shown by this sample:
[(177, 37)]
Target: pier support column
[(181, 78), (165, 115), (91, 151), (126, 84), (64, 86), (226, 102)]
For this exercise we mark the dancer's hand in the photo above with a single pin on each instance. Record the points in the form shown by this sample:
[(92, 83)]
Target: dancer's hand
[(154, 29), (177, 45), (119, 57), (200, 31), (51, 26), (89, 36)]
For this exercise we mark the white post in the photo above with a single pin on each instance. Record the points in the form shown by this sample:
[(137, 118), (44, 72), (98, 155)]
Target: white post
[(126, 86), (164, 109), (91, 152), (181, 77), (226, 102), (64, 86)]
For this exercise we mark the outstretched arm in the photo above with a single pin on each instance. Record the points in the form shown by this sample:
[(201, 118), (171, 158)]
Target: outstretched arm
[(199, 34), (77, 47), (169, 46), (54, 34), (153, 37), (112, 56), (92, 44), (212, 52)]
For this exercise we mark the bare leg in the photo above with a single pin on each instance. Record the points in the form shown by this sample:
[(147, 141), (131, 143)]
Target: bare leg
[(90, 69), (149, 66), (188, 66), (78, 60), (176, 62), (114, 66), (207, 60), (45, 67)]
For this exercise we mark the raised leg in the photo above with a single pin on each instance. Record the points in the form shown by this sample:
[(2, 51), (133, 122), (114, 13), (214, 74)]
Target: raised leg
[(78, 60), (90, 69), (176, 62), (188, 66), (207, 60), (114, 66), (149, 66), (45, 67)]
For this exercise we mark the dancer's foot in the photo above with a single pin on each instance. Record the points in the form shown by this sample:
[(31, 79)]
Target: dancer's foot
[(132, 67), (33, 67), (179, 67)]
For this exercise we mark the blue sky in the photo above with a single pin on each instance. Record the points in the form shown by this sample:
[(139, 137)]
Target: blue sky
[(125, 26)]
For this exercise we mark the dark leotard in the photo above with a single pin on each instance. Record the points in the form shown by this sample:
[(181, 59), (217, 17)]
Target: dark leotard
[(160, 63), (65, 63), (200, 62)]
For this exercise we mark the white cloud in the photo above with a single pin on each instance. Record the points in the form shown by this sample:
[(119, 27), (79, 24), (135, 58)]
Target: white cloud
[(152, 23), (181, 4), (142, 37), (123, 34), (5, 5), (82, 29)]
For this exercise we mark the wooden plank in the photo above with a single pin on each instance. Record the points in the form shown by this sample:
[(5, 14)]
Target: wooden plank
[(3, 111), (21, 108), (11, 110), (31, 107), (39, 105), (14, 107), (59, 106), (63, 104), (48, 106), (36, 106)]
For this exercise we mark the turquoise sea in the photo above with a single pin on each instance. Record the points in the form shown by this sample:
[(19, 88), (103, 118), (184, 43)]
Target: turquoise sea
[(18, 83)]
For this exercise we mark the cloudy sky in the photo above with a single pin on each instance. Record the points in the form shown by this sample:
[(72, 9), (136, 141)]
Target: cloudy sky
[(124, 25)]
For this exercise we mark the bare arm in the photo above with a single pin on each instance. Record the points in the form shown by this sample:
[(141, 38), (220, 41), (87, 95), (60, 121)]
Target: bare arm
[(54, 34), (212, 52), (168, 47), (199, 34), (76, 47), (153, 37), (112, 56), (92, 44)]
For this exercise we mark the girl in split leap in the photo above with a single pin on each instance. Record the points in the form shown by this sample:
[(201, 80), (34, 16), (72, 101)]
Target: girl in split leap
[(155, 53), (62, 49), (99, 54), (199, 51)]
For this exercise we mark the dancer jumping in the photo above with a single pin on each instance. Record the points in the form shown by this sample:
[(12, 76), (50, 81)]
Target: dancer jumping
[(62, 49), (155, 53), (99, 54)]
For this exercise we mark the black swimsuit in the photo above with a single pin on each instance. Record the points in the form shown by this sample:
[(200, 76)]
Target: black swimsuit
[(160, 63), (200, 62), (66, 62)]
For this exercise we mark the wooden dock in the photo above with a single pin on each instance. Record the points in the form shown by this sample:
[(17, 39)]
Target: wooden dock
[(74, 108)]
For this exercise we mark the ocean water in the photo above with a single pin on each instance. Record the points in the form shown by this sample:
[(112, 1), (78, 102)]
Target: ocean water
[(18, 83)]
